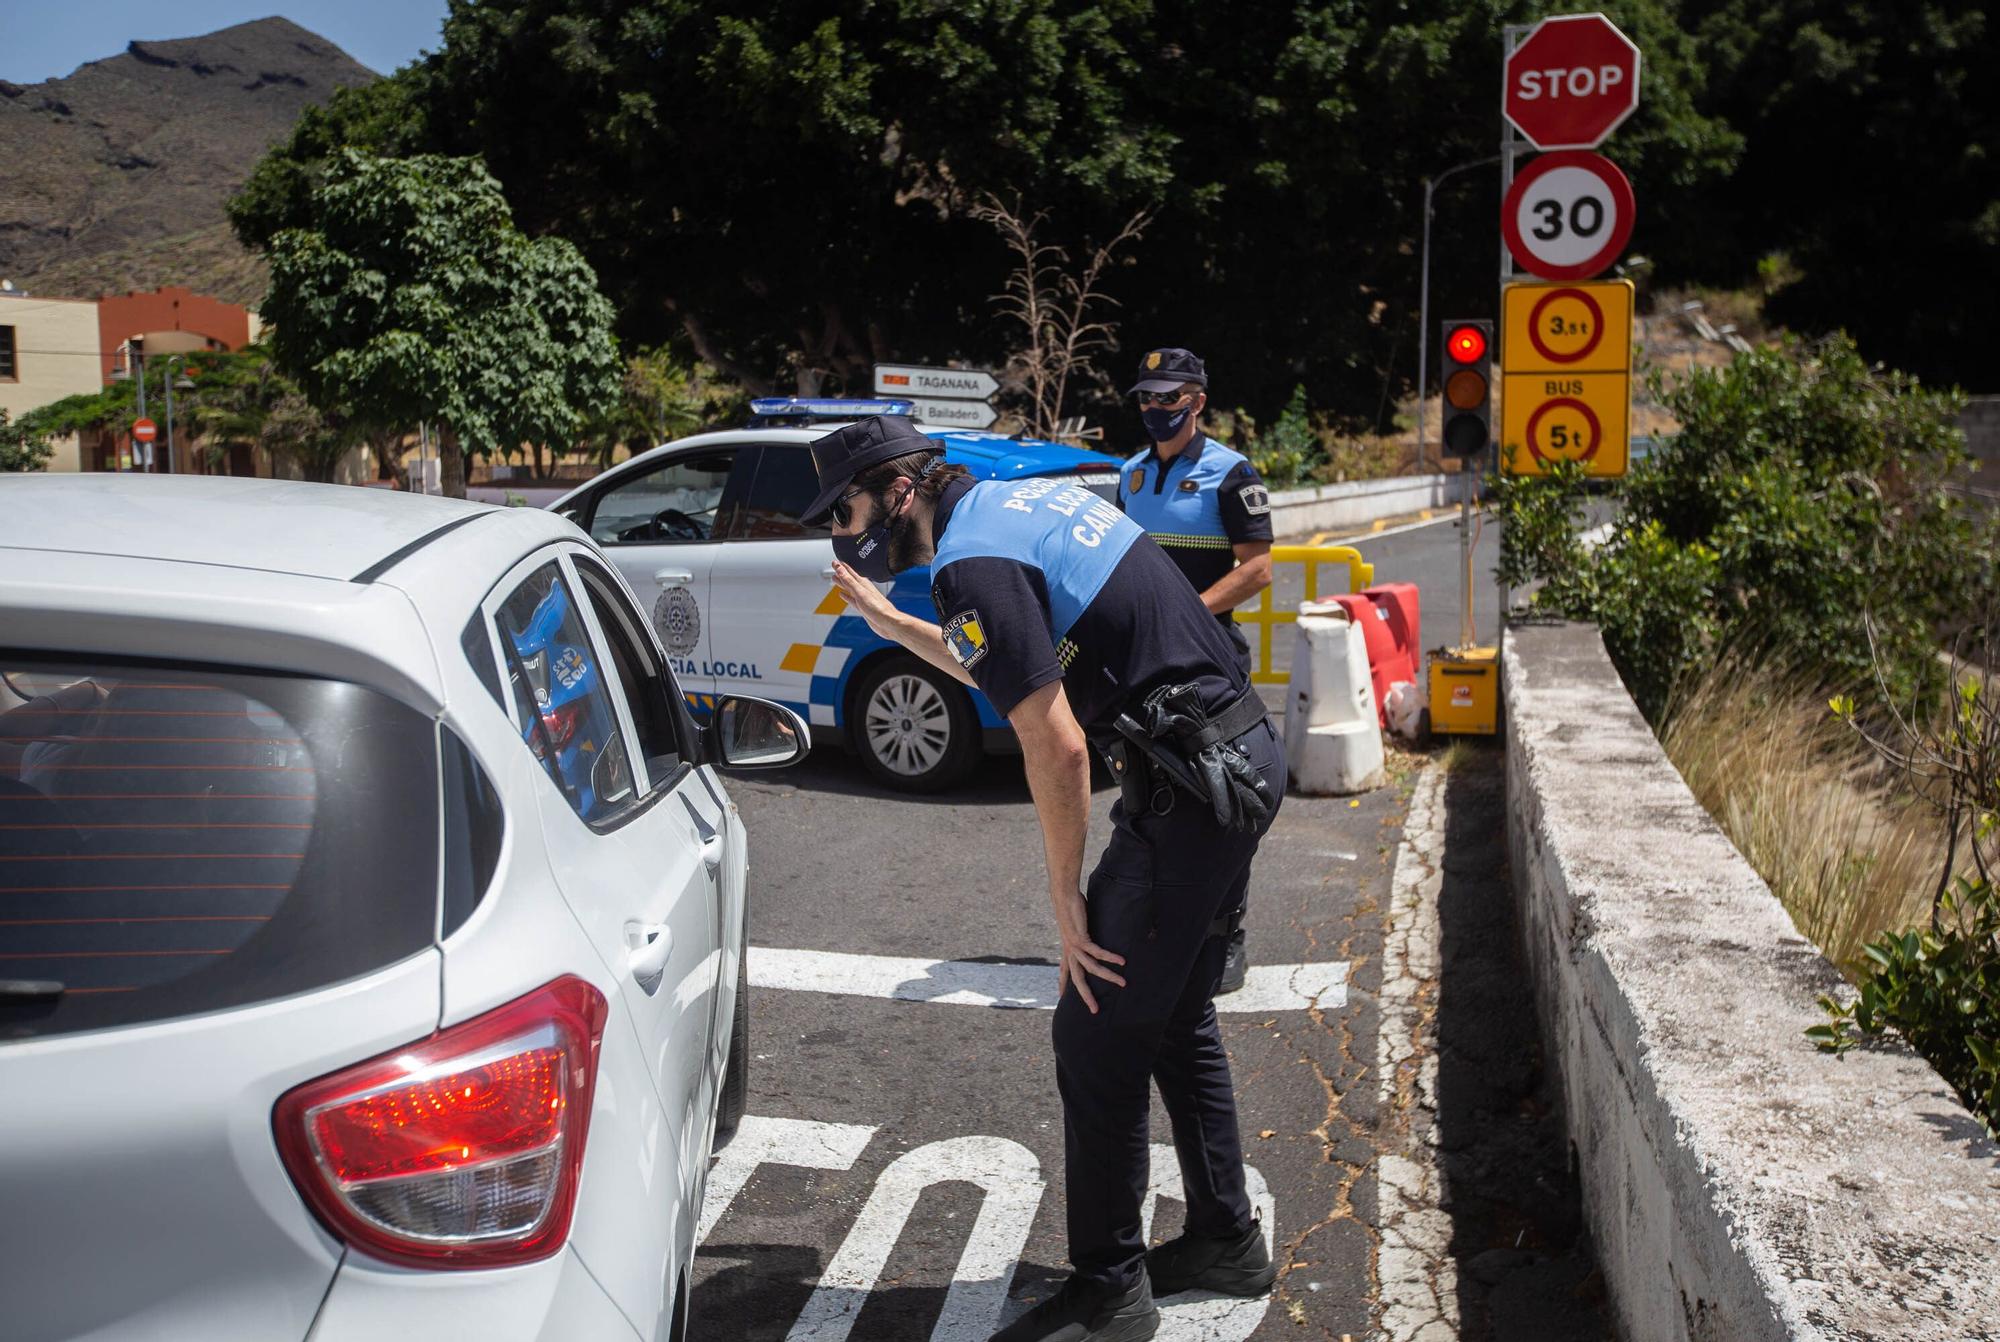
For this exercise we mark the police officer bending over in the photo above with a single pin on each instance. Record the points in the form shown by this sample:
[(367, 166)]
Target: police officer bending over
[(1074, 624), (1205, 505)]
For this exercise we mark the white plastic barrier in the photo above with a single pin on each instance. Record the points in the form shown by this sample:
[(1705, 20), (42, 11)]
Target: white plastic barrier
[(1332, 737)]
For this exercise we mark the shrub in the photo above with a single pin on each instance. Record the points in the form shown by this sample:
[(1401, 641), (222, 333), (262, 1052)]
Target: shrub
[(23, 447), (1803, 496)]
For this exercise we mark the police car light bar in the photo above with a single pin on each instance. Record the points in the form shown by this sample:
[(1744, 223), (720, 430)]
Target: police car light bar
[(829, 407)]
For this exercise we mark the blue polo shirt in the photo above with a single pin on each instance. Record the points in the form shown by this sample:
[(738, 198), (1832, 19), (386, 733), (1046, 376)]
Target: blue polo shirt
[(1041, 580), (1197, 506)]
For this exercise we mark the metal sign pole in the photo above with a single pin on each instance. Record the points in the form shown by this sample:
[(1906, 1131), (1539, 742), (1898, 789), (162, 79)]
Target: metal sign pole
[(1511, 38)]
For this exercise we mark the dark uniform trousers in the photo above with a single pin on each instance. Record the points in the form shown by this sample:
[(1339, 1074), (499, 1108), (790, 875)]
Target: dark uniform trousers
[(1154, 899)]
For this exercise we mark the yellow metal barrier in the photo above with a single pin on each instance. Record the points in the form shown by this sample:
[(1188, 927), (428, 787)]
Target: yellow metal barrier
[(1360, 574)]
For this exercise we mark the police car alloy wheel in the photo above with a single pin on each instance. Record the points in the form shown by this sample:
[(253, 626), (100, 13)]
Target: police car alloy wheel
[(913, 727)]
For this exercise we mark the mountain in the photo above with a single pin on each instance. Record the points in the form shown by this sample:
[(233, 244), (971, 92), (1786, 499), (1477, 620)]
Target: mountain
[(117, 175)]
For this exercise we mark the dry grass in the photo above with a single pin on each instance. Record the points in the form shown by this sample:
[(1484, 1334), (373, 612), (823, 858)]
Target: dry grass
[(1805, 801)]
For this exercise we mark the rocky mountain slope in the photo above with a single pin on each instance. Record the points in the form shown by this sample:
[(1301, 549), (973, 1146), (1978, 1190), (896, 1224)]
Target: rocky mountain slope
[(116, 175)]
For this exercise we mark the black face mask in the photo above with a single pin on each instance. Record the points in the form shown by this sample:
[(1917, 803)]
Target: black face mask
[(869, 552), (1163, 424)]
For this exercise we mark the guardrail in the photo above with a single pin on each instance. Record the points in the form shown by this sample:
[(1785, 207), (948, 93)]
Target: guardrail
[(1360, 574)]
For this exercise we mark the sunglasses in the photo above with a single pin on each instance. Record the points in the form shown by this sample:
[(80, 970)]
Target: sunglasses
[(1165, 399), (840, 512)]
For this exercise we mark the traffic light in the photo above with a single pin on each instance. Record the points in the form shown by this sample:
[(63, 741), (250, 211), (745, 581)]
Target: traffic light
[(1467, 379)]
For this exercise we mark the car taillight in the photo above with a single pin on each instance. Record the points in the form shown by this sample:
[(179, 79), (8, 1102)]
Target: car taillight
[(462, 1150)]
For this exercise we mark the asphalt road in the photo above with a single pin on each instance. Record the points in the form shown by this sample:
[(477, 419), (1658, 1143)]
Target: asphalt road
[(900, 1174)]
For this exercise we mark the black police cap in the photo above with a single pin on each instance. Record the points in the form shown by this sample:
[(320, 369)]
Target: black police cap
[(1169, 370), (853, 448)]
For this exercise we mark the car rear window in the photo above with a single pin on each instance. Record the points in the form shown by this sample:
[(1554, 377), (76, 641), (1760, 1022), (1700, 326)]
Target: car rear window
[(183, 839)]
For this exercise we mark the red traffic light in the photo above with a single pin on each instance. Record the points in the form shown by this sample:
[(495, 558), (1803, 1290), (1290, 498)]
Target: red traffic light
[(1466, 344)]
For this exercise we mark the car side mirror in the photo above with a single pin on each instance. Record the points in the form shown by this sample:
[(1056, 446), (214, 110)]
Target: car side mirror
[(747, 733)]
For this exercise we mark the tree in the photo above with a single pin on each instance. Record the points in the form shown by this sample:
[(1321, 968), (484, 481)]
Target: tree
[(785, 189), (1871, 135), (1052, 306), (22, 448), (243, 399), (660, 398), (412, 297)]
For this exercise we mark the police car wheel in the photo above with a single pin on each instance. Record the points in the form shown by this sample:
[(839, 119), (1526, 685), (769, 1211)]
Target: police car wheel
[(914, 726)]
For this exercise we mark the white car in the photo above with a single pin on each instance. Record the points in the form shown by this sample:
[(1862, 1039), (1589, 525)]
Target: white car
[(706, 530), (372, 921)]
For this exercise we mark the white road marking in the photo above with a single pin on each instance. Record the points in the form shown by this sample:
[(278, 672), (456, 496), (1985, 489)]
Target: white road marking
[(777, 1141), (1293, 987), (1010, 1179)]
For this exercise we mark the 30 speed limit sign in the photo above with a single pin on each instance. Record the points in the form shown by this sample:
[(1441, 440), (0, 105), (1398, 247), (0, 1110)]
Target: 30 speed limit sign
[(1568, 215)]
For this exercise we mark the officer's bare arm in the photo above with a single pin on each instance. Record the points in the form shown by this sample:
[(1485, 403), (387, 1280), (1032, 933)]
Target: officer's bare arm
[(919, 636), (1058, 767), (1251, 575)]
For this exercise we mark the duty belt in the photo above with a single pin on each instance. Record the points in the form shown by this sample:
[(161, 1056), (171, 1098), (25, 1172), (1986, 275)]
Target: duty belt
[(1176, 746)]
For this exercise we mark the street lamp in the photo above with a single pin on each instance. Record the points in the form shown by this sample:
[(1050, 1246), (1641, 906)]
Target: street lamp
[(183, 383), (1424, 302)]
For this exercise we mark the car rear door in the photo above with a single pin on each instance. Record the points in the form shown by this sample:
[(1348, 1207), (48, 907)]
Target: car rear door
[(659, 522), (780, 634), (637, 847)]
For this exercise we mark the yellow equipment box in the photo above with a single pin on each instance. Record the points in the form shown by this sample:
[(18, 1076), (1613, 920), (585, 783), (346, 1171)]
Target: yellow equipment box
[(1465, 691)]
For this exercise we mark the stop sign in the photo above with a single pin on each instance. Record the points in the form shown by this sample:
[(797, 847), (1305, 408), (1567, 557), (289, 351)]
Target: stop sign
[(1571, 82), (144, 430)]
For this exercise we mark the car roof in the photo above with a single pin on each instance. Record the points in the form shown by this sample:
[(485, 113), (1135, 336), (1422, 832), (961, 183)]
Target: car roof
[(987, 455), (356, 584), (276, 526)]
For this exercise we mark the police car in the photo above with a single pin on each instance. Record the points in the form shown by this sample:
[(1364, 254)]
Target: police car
[(706, 530)]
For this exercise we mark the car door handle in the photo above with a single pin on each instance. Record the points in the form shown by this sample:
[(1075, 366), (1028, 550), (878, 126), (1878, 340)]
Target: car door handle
[(673, 577), (710, 836), (826, 572), (647, 946)]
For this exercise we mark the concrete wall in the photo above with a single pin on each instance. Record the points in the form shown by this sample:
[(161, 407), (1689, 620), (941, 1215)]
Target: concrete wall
[(1740, 1186), (1299, 512)]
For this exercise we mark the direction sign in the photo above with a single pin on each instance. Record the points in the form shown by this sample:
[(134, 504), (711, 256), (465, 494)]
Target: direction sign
[(955, 414), (1568, 215), (963, 384), (1566, 388), (1571, 82), (144, 430)]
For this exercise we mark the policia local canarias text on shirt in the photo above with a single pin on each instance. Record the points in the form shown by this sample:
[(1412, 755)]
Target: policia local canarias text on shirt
[(1037, 581)]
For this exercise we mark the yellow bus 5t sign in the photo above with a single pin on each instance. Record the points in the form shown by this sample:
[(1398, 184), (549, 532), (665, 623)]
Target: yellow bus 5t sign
[(1566, 376)]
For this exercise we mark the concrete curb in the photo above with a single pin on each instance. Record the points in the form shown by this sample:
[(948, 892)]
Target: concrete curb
[(1299, 512), (1739, 1185)]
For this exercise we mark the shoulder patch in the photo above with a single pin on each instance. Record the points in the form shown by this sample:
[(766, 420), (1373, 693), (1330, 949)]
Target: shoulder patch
[(1136, 481), (965, 638), (1190, 486), (1256, 499)]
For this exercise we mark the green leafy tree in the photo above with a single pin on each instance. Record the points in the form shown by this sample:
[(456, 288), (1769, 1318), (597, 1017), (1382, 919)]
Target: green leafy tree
[(242, 399), (412, 297), (787, 190), (1871, 134), (22, 447), (660, 398)]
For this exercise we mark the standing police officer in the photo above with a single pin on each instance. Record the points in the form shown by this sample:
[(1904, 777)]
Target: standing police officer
[(1205, 505), (1058, 607)]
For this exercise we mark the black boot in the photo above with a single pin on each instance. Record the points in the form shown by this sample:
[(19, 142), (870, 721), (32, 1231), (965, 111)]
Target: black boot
[(1084, 1312), (1237, 1266), (1235, 964)]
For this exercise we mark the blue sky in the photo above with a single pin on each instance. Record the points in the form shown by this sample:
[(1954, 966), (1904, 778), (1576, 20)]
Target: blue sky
[(46, 39)]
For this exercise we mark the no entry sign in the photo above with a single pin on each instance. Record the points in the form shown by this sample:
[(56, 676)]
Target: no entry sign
[(1568, 215), (1571, 81), (144, 430)]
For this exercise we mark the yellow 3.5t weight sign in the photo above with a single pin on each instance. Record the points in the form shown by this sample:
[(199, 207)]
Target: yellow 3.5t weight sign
[(1566, 384)]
